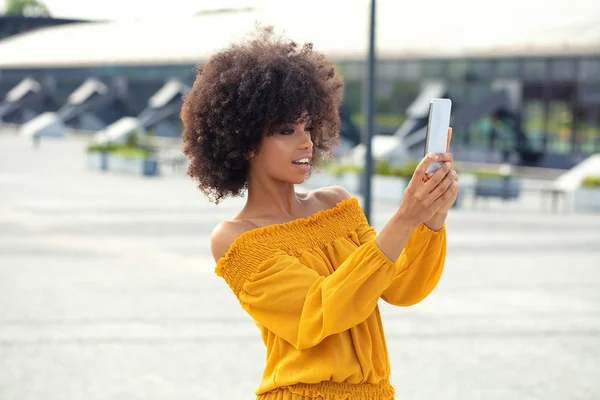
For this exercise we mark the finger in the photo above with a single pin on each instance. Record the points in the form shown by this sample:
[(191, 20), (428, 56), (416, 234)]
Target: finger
[(449, 139), (446, 157), (442, 187), (438, 176), (448, 194), (448, 204), (421, 169)]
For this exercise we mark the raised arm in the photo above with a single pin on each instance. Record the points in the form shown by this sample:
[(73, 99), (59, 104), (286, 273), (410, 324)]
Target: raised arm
[(419, 266), (303, 308)]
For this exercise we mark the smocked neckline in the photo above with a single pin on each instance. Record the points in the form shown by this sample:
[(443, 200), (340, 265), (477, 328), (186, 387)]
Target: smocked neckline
[(294, 226)]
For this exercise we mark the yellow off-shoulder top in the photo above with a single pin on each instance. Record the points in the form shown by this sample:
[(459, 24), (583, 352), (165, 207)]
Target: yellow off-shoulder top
[(312, 286)]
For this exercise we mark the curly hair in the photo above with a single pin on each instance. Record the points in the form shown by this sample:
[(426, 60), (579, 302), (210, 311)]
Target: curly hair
[(244, 92)]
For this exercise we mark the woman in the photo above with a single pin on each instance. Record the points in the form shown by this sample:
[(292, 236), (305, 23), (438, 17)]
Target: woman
[(307, 267)]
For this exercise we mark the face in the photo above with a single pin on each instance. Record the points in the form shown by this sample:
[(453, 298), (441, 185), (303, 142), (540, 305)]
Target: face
[(286, 154)]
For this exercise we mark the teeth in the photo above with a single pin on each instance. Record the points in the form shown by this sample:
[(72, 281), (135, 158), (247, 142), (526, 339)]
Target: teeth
[(302, 161)]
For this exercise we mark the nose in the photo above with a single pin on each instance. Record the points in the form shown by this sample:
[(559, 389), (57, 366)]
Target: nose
[(306, 141)]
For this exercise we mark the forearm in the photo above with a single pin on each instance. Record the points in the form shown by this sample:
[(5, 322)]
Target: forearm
[(393, 237), (436, 222)]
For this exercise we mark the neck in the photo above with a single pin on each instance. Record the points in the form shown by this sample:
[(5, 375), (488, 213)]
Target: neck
[(269, 197)]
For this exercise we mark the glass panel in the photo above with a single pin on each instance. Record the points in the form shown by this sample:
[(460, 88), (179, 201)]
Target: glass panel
[(458, 69), (507, 69), (403, 94), (562, 70), (589, 70), (458, 94), (409, 70), (479, 133), (560, 119), (388, 70), (354, 71), (483, 68), (476, 91), (588, 130), (534, 70), (353, 95), (533, 122), (393, 98), (434, 69)]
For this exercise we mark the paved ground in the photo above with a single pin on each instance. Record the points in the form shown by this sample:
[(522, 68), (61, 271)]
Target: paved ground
[(107, 291)]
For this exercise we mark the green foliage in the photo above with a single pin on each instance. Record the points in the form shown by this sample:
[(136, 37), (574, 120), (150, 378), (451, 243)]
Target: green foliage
[(341, 169), (381, 119), (136, 145), (132, 140), (382, 168), (27, 8), (132, 152), (106, 147), (591, 182), (484, 174)]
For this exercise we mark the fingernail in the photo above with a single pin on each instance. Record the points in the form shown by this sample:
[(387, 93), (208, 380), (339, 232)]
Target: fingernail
[(437, 157), (453, 173), (431, 156), (447, 164), (454, 186)]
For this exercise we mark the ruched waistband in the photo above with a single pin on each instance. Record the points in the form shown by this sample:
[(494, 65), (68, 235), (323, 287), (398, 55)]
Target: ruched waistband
[(328, 390)]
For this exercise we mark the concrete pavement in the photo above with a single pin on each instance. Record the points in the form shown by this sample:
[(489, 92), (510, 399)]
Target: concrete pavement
[(107, 291)]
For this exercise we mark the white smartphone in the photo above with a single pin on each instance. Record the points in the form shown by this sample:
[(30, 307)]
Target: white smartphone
[(437, 130)]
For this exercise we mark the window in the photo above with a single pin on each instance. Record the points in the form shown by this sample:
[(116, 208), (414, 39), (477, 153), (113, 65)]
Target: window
[(409, 71), (507, 69), (353, 96), (434, 69), (589, 70), (560, 119), (388, 69), (458, 69), (533, 121), (354, 71), (458, 93), (483, 69), (562, 70), (534, 70)]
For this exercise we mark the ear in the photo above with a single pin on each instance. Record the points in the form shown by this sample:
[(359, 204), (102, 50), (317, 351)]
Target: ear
[(251, 155)]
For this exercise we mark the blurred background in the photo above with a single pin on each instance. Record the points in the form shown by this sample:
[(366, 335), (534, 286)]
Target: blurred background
[(107, 285)]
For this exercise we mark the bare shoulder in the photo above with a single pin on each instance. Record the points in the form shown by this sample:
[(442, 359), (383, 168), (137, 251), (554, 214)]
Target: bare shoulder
[(225, 234), (332, 195)]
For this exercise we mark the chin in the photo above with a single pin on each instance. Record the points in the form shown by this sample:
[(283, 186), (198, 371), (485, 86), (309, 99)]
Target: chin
[(299, 181)]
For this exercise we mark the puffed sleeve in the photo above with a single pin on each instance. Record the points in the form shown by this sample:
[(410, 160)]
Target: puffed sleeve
[(302, 307), (419, 266)]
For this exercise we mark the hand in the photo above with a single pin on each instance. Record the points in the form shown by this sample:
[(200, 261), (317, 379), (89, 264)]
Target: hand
[(424, 197), (446, 206)]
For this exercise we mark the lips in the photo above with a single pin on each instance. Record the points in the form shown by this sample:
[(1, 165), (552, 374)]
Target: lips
[(302, 161)]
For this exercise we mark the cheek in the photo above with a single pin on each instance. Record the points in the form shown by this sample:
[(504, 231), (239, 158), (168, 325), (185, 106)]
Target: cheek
[(277, 149)]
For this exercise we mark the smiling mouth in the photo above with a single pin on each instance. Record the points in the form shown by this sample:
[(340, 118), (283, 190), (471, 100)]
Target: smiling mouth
[(303, 161)]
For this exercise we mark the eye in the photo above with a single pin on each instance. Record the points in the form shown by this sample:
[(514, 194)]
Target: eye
[(308, 128), (287, 131)]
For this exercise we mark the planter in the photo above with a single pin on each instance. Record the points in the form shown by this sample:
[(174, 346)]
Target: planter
[(97, 160), (132, 166), (504, 188), (587, 199)]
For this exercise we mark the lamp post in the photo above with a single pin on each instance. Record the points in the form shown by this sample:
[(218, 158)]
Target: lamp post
[(370, 120)]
